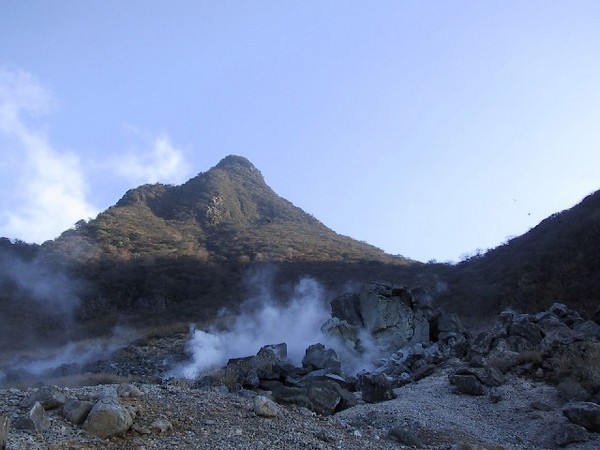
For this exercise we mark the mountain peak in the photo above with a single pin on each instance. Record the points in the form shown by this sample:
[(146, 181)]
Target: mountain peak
[(235, 161)]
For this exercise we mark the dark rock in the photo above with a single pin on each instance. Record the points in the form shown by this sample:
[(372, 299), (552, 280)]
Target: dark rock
[(482, 343), (406, 437), (291, 395), (76, 411), (49, 397), (586, 414), (324, 399), (423, 372), (318, 357), (375, 387), (347, 399), (572, 390), (570, 433), (467, 383), (493, 377), (270, 385), (527, 330)]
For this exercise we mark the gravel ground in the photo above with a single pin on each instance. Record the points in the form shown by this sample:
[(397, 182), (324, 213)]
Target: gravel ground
[(510, 418)]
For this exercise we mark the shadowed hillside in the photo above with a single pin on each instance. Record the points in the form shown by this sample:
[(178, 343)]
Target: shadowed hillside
[(556, 261)]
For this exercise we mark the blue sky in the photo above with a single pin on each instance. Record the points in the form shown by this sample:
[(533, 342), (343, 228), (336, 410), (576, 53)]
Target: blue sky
[(428, 129)]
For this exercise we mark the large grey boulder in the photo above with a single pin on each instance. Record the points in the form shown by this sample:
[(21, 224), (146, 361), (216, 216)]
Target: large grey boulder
[(108, 418), (324, 397), (389, 314), (586, 414), (35, 419)]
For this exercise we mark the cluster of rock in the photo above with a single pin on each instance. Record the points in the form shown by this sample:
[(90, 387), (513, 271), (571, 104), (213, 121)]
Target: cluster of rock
[(318, 385), (384, 326), (105, 414), (407, 340), (557, 346)]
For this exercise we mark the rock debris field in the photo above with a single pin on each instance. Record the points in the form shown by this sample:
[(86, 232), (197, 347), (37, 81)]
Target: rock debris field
[(531, 381)]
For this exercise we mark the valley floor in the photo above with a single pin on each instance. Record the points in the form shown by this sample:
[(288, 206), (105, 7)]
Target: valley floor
[(521, 414)]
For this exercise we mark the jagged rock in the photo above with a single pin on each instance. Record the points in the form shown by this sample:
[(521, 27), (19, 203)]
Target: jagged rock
[(466, 382), (318, 357), (376, 387), (448, 330), (488, 376), (270, 355), (570, 433), (35, 419), (347, 307), (389, 314), (248, 371), (265, 407), (482, 344), (76, 411), (556, 335), (49, 397), (529, 331), (586, 414), (405, 436), (108, 417)]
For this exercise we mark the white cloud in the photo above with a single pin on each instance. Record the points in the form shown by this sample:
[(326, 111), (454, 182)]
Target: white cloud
[(45, 189), (159, 161)]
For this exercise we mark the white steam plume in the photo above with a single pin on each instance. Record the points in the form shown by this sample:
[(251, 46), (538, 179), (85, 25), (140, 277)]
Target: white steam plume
[(297, 323)]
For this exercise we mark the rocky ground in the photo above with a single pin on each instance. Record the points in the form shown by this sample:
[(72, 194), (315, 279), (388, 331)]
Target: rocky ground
[(529, 382), (523, 414)]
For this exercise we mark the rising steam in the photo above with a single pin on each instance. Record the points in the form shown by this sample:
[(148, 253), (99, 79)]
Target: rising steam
[(261, 322)]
